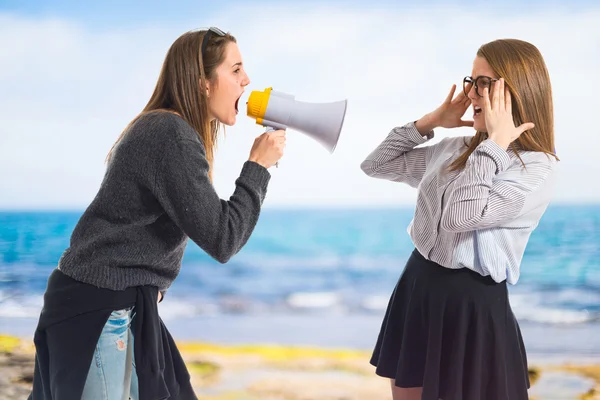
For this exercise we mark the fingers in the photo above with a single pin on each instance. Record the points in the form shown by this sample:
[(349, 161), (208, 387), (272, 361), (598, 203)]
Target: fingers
[(500, 93), (525, 127), (507, 100), (268, 148), (278, 133), (463, 99), (495, 99), (278, 138), (486, 99), (450, 95), (271, 134), (460, 98)]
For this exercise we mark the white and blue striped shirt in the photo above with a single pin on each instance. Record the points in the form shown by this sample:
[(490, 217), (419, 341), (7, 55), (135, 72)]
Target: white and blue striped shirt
[(478, 218)]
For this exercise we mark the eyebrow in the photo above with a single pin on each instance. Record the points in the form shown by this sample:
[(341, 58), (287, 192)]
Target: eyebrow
[(237, 64)]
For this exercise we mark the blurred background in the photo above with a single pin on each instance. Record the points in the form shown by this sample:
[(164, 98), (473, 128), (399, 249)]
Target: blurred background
[(331, 242)]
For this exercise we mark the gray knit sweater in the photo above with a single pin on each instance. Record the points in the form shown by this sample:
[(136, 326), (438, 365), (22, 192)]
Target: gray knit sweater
[(155, 195)]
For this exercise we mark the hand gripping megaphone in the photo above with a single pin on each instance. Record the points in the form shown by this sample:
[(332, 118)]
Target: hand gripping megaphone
[(276, 110)]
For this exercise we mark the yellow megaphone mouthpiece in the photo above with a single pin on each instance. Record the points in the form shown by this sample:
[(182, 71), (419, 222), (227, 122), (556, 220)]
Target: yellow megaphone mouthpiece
[(257, 104)]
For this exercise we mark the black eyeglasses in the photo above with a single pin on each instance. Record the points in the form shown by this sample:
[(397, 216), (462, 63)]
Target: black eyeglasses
[(479, 82), (212, 30)]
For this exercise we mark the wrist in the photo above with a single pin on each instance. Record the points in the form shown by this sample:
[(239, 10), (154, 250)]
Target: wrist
[(499, 141), (426, 124), (259, 162)]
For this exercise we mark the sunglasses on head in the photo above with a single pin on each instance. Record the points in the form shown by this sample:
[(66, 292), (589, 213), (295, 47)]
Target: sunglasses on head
[(211, 31)]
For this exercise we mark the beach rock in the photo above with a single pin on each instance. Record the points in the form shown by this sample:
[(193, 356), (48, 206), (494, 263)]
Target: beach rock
[(16, 375), (561, 385)]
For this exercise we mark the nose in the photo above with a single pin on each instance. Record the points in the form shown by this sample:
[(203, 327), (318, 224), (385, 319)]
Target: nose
[(471, 93), (246, 80)]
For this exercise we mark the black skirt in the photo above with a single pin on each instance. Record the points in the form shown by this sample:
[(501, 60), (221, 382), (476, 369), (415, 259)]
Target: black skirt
[(453, 333)]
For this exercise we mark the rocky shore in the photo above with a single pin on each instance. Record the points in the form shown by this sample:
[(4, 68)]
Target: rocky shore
[(289, 373)]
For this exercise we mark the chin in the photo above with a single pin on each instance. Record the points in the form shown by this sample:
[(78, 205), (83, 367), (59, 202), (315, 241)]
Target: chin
[(480, 127), (228, 121)]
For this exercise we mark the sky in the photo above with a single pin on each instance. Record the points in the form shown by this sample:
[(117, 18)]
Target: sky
[(75, 73)]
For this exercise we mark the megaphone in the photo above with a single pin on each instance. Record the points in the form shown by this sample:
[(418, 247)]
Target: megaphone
[(276, 110)]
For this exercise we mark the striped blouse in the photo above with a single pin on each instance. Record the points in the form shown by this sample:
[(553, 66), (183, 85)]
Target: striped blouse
[(478, 218)]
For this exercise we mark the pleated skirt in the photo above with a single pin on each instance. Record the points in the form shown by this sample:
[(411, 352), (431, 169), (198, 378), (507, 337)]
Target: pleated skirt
[(453, 333)]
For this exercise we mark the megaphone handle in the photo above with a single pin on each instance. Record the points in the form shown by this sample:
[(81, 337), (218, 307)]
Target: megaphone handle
[(271, 129)]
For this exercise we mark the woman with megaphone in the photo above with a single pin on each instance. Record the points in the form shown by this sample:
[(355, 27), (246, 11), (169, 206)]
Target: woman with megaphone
[(449, 331), (99, 335)]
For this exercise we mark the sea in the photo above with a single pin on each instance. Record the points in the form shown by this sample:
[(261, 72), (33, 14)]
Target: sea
[(323, 277)]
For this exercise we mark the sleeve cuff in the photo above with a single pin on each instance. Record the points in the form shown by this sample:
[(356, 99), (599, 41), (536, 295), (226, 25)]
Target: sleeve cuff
[(413, 134), (256, 173), (497, 153)]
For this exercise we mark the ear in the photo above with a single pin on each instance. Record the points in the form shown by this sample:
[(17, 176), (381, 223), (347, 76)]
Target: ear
[(208, 89)]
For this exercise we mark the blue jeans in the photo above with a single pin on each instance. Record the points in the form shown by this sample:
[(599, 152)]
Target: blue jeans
[(112, 373)]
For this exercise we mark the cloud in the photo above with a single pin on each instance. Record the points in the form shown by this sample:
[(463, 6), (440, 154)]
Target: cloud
[(68, 90)]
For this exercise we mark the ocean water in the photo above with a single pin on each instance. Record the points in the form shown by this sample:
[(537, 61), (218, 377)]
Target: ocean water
[(311, 275)]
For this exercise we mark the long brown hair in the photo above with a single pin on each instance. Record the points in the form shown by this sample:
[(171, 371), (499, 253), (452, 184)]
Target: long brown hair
[(523, 68), (183, 75)]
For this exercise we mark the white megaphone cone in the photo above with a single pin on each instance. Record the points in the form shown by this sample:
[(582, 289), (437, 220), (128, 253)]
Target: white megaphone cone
[(321, 121)]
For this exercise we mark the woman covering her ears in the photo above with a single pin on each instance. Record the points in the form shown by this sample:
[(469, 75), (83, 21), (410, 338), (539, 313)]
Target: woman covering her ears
[(449, 331)]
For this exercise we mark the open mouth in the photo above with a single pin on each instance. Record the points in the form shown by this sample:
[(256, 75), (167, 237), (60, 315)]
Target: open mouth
[(237, 110), (477, 110)]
